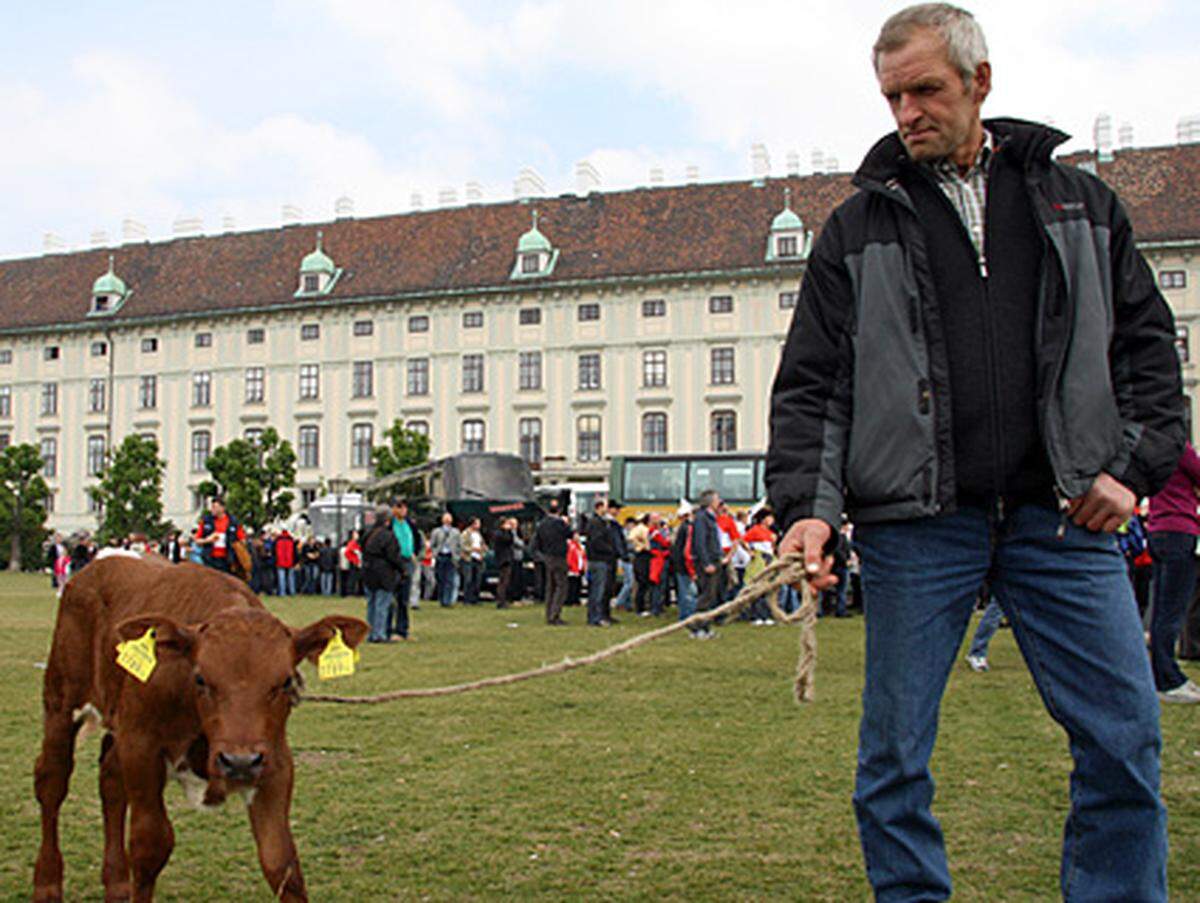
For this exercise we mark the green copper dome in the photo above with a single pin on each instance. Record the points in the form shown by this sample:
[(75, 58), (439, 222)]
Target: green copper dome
[(533, 241), (318, 261), (110, 283), (787, 218)]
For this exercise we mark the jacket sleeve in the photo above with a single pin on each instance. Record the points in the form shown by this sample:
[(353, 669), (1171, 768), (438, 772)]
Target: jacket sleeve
[(810, 406), (1145, 368)]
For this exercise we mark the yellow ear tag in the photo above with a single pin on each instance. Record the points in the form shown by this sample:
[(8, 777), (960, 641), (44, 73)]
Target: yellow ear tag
[(337, 660), (138, 656)]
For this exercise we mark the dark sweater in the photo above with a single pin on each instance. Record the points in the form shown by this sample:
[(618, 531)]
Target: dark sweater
[(988, 326)]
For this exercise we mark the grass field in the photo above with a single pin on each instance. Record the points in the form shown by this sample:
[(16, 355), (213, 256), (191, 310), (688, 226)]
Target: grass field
[(682, 771)]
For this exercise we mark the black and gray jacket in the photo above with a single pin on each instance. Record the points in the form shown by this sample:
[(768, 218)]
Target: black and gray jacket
[(912, 380)]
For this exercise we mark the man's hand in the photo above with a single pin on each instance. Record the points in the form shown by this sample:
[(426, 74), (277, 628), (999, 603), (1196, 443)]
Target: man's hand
[(809, 537), (1107, 505)]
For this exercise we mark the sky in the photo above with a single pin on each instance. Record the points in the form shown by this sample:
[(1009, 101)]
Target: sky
[(232, 108)]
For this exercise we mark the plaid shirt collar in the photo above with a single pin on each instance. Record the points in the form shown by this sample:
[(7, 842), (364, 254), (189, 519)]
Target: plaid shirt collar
[(967, 192)]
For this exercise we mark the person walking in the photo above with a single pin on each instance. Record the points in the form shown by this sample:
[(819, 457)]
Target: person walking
[(977, 337), (382, 568), (445, 544), (709, 559), (1173, 527), (601, 555), (216, 533), (553, 534), (408, 540)]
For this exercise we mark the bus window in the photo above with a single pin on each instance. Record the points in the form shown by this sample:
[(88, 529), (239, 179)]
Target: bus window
[(733, 479), (654, 481)]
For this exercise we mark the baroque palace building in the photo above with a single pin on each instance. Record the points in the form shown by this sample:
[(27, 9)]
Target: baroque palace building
[(565, 329)]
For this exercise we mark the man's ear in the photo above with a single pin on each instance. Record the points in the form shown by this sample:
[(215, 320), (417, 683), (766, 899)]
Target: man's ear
[(169, 636), (981, 82), (310, 641)]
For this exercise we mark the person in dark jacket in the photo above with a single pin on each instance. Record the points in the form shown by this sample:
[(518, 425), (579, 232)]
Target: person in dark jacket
[(706, 549), (328, 563), (977, 343), (553, 534), (502, 549), (382, 569), (410, 543), (601, 556)]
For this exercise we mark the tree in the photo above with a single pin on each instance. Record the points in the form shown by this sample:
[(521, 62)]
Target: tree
[(23, 495), (130, 490), (254, 478), (406, 448)]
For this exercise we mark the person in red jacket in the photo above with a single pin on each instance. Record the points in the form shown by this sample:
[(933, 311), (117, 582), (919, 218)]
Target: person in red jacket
[(660, 554), (216, 533), (285, 562), (353, 552)]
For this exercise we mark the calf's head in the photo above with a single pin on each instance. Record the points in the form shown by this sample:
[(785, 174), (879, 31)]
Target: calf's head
[(244, 680)]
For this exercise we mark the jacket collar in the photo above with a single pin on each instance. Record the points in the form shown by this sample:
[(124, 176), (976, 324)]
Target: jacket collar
[(1029, 143)]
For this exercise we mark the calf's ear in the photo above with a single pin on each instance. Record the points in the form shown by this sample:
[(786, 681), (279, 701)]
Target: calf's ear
[(311, 641), (169, 636)]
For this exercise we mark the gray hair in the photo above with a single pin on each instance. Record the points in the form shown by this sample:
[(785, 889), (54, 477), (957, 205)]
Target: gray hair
[(706, 497), (383, 514), (965, 44)]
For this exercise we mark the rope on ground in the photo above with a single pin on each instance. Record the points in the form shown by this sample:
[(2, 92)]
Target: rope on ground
[(788, 569)]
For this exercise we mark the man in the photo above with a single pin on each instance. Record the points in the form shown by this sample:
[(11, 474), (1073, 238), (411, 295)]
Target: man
[(622, 565), (217, 531), (553, 534), (473, 548), (446, 545), (683, 561), (709, 559), (285, 562), (502, 550), (975, 331), (408, 539), (639, 544), (382, 568), (601, 554)]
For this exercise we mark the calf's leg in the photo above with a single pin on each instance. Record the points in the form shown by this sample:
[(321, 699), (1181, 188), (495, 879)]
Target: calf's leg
[(269, 818), (112, 799), (51, 777), (151, 837)]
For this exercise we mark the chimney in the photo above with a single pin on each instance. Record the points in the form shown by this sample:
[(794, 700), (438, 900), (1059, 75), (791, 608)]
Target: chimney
[(474, 192), (228, 223), (656, 175), (343, 207), (1187, 131), (132, 230), (1102, 135), (187, 226), (760, 161), (1125, 136), (528, 184), (99, 238), (416, 201), (53, 243), (691, 174), (587, 178), (793, 163), (291, 214), (831, 164), (447, 197), (818, 160)]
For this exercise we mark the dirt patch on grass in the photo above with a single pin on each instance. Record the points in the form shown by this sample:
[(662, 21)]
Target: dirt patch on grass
[(309, 757)]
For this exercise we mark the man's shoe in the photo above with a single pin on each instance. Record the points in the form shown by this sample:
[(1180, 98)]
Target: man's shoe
[(977, 662), (1185, 692)]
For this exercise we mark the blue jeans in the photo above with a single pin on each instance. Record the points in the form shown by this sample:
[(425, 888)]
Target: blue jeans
[(626, 591), (327, 583), (685, 588), (446, 574), (1174, 557), (286, 578), (379, 606), (398, 615), (989, 623), (598, 575), (1071, 607)]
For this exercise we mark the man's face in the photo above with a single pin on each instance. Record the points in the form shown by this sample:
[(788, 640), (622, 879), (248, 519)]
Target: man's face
[(447, 519), (400, 511), (217, 508), (936, 114)]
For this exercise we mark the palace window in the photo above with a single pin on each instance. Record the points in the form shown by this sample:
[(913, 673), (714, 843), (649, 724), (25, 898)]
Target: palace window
[(419, 323), (201, 449), (5, 402), (654, 369), (529, 316), (308, 448), (589, 371), (95, 456), (472, 319), (256, 385), (201, 389), (472, 373), (654, 307), (49, 450), (256, 336), (724, 431), (587, 437), (721, 361), (362, 439), (50, 353), (720, 304), (364, 327), (363, 379), (418, 376), (203, 340), (310, 381), (588, 312), (148, 392), (787, 300), (529, 431), (1172, 279), (654, 433), (529, 370), (96, 395), (149, 345), (99, 349), (49, 399), (472, 436), (310, 332)]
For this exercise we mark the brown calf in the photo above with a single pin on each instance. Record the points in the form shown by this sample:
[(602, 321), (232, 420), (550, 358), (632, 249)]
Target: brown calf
[(213, 714)]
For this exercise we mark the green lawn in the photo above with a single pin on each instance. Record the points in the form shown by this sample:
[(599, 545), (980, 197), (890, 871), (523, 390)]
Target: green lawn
[(683, 770)]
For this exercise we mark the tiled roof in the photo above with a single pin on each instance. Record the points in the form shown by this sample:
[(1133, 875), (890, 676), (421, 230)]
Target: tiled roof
[(682, 229)]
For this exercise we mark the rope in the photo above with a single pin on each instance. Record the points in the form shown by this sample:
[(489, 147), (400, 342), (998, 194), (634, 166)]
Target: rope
[(789, 569)]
